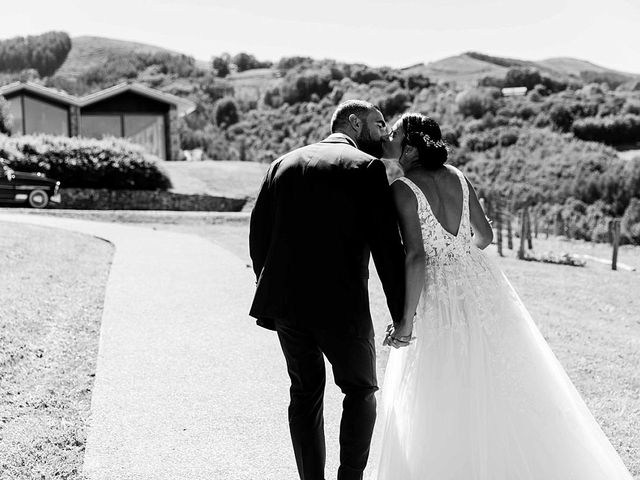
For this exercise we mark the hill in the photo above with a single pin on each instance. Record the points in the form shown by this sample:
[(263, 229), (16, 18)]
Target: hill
[(88, 52), (574, 66), (470, 67)]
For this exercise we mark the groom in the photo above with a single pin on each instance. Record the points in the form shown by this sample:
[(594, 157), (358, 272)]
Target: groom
[(321, 211)]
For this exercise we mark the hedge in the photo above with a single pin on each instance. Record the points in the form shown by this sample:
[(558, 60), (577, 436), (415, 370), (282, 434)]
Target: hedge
[(86, 163), (612, 130)]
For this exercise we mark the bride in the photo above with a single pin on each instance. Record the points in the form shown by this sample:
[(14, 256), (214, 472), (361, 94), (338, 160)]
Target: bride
[(478, 394)]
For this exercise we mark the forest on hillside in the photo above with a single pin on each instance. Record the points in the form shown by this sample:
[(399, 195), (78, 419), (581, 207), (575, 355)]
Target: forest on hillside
[(554, 148)]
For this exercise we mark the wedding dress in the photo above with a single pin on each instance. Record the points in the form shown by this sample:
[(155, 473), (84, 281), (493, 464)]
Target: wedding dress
[(479, 395)]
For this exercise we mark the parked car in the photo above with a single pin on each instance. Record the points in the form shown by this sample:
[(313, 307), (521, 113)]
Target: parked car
[(34, 189)]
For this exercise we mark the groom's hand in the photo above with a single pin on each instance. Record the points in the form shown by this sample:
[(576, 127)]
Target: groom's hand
[(398, 335)]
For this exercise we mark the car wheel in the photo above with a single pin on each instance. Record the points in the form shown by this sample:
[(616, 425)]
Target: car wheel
[(38, 198)]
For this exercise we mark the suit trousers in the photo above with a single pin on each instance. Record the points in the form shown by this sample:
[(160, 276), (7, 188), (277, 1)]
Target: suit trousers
[(353, 361)]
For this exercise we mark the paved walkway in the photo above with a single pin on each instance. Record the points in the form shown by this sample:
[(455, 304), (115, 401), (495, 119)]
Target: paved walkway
[(187, 387)]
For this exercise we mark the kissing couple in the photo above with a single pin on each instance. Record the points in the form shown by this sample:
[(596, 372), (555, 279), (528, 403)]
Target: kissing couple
[(471, 389)]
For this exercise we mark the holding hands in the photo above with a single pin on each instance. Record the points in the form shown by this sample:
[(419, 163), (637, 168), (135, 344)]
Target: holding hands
[(398, 335)]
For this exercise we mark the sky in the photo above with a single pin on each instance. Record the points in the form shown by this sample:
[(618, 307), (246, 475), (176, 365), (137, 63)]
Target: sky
[(395, 33)]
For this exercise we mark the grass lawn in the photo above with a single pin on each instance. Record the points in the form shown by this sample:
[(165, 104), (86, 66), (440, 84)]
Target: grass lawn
[(216, 178), (51, 297)]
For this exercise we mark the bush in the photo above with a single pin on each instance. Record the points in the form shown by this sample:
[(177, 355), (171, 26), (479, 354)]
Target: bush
[(612, 130), (550, 257), (5, 117), (86, 163), (300, 86), (630, 223), (561, 118), (395, 103), (487, 139), (476, 103), (244, 61), (226, 112), (522, 77)]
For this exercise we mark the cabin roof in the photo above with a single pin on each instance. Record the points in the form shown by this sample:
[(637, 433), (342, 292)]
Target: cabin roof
[(183, 105), (38, 89)]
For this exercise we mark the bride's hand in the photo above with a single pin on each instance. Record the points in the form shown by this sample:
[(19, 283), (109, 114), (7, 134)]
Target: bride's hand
[(399, 335)]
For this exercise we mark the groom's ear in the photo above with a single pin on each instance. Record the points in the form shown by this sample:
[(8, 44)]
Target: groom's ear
[(355, 122)]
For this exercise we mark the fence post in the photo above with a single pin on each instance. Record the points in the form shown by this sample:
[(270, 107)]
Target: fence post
[(498, 220), (523, 232), (528, 226), (242, 150), (616, 242)]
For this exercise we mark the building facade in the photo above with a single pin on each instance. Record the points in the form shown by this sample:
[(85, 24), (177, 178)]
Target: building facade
[(142, 115)]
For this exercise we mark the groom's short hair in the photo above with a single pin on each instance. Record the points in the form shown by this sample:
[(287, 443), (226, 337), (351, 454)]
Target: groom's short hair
[(359, 108)]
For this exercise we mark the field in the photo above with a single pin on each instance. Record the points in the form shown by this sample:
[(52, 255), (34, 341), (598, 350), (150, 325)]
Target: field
[(587, 315)]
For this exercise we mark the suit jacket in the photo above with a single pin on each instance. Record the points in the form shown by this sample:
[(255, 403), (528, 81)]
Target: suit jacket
[(321, 211)]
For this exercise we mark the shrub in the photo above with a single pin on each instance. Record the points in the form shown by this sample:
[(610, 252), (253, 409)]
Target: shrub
[(476, 103), (487, 139), (226, 112), (613, 130), (245, 61), (612, 79), (287, 63), (632, 107), (561, 118), (362, 73), (522, 77), (299, 86), (550, 257), (86, 163), (630, 223), (5, 116), (395, 103)]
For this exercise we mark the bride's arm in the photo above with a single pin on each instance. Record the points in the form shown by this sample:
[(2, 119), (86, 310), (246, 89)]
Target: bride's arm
[(482, 232), (406, 206)]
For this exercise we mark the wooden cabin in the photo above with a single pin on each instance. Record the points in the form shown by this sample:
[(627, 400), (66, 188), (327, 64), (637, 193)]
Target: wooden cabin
[(141, 114)]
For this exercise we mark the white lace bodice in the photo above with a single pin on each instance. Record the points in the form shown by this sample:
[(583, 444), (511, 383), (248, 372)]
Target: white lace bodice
[(441, 246)]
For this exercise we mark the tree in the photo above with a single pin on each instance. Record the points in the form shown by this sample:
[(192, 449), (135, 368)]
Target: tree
[(46, 52), (244, 61), (221, 65), (226, 112), (475, 103), (561, 117), (522, 77)]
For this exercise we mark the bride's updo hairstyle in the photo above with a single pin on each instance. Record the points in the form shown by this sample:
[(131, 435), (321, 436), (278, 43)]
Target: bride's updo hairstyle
[(423, 133)]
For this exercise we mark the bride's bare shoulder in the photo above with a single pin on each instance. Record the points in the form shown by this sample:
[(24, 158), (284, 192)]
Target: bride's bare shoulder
[(402, 193)]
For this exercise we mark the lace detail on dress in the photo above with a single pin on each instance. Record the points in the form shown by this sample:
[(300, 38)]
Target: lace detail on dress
[(453, 273), (441, 246)]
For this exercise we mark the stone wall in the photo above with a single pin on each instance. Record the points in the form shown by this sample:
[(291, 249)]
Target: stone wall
[(102, 199)]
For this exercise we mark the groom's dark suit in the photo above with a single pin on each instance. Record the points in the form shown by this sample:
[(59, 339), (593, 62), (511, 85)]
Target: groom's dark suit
[(321, 211)]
